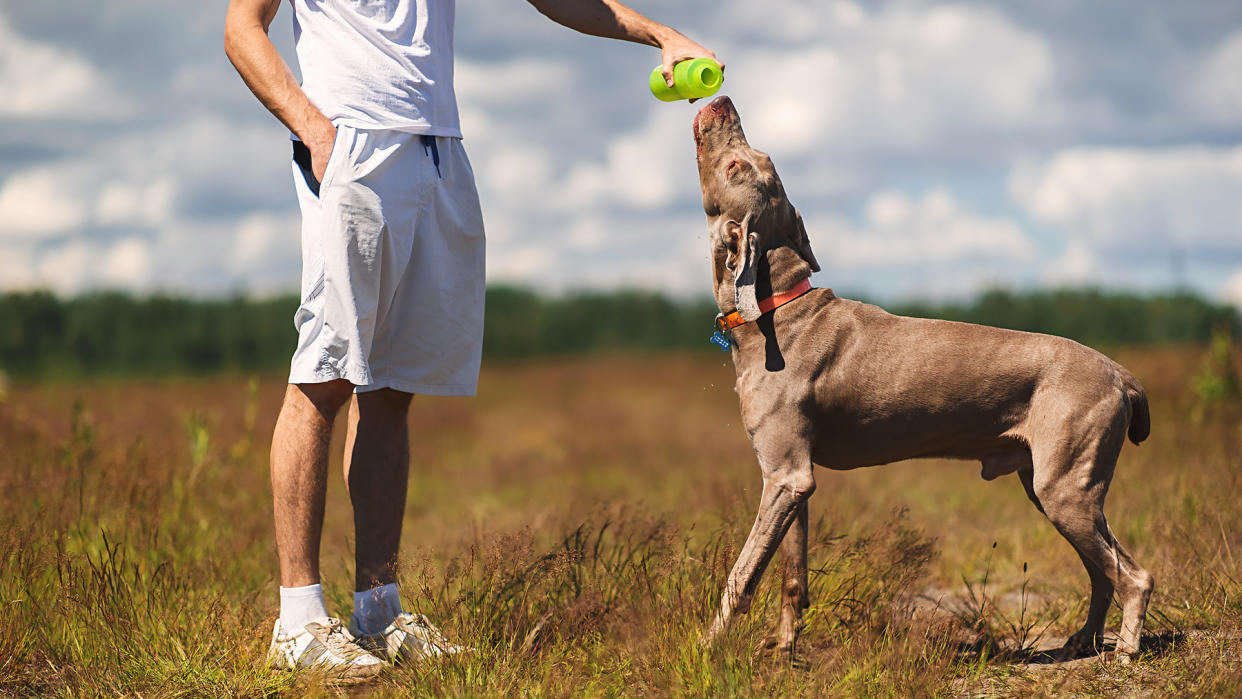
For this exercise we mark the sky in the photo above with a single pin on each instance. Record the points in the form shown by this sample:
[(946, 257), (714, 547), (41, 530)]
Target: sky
[(934, 149)]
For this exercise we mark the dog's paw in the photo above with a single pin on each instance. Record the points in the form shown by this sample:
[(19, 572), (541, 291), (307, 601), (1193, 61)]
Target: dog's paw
[(775, 651), (1080, 645)]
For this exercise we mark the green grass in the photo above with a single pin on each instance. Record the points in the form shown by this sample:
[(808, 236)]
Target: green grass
[(574, 524)]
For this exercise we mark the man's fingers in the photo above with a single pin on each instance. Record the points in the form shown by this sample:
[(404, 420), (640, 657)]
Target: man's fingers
[(667, 68), (321, 152), (682, 51), (319, 163)]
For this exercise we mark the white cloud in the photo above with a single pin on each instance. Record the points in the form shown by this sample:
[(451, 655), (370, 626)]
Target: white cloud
[(127, 264), (39, 202), (518, 171), (668, 254), (505, 83), (68, 268), (898, 230), (643, 169), (44, 80), (259, 236), (267, 256), (265, 253), (795, 23), (1232, 290), (76, 265), (1218, 85), (526, 264), (1169, 197), (182, 199), (147, 203), (17, 268), (136, 180), (1075, 265), (588, 181), (906, 76)]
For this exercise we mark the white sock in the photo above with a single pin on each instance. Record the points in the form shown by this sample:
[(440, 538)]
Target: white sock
[(299, 605), (375, 609)]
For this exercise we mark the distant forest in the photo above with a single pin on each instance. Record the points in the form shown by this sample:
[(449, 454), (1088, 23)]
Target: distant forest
[(106, 334)]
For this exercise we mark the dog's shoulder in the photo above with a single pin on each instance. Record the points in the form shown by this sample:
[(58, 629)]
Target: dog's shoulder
[(833, 309)]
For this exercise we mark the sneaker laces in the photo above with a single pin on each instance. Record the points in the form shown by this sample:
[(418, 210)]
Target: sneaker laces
[(427, 631), (338, 640)]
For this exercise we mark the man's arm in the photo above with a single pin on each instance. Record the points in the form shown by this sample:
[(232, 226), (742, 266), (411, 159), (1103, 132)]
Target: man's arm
[(268, 76), (612, 20)]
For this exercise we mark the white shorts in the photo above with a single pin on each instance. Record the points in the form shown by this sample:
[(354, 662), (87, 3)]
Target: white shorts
[(392, 265)]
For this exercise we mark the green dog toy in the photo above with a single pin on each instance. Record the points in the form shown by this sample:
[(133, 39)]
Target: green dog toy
[(700, 77)]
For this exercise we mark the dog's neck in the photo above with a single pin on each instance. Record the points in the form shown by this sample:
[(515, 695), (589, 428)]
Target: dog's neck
[(782, 269), (727, 322)]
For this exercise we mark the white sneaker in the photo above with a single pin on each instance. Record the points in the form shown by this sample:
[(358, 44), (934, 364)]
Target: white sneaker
[(410, 637), (323, 644)]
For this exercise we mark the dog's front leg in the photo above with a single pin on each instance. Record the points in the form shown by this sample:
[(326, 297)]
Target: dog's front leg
[(794, 594), (788, 480)]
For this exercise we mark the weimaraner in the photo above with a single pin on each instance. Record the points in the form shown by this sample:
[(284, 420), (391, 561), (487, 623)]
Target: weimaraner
[(827, 381)]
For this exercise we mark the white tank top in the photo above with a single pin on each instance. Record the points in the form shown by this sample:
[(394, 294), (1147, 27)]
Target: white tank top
[(379, 64)]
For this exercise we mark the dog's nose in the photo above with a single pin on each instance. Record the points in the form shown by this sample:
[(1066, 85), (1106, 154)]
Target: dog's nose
[(718, 107)]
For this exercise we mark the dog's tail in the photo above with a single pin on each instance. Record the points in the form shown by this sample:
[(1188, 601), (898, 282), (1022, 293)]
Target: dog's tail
[(1140, 416)]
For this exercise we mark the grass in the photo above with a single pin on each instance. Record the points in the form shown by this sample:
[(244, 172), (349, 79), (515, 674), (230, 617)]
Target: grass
[(574, 523)]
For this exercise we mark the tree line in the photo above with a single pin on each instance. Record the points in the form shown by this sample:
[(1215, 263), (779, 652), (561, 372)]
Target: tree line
[(111, 333)]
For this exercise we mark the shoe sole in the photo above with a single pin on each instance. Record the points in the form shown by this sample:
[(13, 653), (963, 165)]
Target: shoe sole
[(333, 679)]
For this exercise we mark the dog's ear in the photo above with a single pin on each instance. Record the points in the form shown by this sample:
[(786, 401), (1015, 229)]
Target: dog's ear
[(803, 243), (744, 273)]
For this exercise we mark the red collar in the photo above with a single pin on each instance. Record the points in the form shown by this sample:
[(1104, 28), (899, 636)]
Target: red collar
[(725, 323)]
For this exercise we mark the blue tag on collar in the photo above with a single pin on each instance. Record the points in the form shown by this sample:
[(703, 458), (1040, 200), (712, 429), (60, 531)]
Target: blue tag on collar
[(720, 341)]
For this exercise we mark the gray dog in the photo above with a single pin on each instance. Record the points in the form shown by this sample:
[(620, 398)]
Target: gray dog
[(828, 381)]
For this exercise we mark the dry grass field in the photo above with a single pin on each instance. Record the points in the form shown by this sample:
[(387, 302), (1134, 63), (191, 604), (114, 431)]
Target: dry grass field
[(574, 524)]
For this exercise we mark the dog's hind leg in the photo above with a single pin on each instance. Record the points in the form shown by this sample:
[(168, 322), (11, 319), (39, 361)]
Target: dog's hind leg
[(1086, 640), (1071, 488), (788, 481), (794, 597)]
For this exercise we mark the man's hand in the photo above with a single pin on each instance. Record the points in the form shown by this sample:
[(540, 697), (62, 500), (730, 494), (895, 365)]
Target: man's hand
[(676, 48), (611, 19), (320, 146)]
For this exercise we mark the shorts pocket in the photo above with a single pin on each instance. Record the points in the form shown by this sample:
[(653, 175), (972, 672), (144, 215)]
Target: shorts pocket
[(302, 158)]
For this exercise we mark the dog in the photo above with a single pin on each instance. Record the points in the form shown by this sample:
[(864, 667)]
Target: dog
[(827, 381)]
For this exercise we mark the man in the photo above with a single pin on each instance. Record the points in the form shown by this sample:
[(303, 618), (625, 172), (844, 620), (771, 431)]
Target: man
[(392, 283)]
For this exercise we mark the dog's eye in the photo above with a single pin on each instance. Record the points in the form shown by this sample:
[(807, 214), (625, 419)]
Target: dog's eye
[(732, 168)]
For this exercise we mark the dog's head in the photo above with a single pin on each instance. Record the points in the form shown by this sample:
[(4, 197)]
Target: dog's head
[(758, 241)]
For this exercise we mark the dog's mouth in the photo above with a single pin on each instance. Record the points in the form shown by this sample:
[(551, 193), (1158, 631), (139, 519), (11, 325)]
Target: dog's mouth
[(698, 137)]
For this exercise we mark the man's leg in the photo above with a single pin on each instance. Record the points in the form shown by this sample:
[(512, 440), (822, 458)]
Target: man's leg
[(377, 470), (303, 636), (300, 475)]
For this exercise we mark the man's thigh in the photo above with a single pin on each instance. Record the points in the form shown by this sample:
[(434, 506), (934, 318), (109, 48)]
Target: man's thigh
[(429, 334)]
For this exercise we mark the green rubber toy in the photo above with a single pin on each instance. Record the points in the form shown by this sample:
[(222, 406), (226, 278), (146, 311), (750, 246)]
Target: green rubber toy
[(699, 77)]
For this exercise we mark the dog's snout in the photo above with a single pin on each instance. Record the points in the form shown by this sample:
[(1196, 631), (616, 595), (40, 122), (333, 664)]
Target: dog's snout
[(719, 110)]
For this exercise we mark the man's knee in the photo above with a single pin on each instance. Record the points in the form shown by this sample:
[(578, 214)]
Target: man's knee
[(385, 404), (326, 397)]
